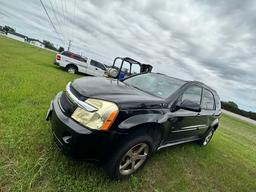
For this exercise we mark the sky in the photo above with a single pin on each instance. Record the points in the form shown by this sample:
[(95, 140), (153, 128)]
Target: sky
[(204, 40)]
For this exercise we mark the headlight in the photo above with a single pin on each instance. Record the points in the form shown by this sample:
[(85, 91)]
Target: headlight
[(101, 119)]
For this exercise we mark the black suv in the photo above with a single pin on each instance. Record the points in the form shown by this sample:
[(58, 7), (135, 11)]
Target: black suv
[(123, 122)]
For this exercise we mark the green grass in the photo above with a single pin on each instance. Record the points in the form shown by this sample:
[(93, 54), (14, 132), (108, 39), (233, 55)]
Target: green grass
[(30, 161)]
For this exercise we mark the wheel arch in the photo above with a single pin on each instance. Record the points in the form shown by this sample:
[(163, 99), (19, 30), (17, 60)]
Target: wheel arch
[(215, 124), (148, 123), (153, 129), (72, 65)]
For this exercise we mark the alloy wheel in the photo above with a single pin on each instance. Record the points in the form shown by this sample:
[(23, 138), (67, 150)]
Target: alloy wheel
[(133, 159), (208, 138)]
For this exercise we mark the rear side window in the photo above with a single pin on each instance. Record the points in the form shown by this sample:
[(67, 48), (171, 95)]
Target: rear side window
[(208, 100), (193, 93), (98, 64)]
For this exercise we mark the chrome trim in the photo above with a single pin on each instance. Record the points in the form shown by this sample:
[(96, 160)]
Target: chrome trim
[(191, 128), (195, 126), (176, 143), (60, 105), (182, 130), (80, 103)]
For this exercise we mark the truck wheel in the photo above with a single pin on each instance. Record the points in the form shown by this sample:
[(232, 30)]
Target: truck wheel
[(71, 69), (129, 157)]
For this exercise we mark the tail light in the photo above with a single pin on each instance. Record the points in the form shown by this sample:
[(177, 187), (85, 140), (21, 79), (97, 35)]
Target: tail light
[(58, 57)]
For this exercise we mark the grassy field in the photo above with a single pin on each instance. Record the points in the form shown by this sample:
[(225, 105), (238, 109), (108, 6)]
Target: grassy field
[(30, 161)]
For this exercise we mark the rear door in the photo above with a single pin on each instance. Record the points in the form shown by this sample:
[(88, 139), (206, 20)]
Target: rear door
[(208, 107), (186, 124)]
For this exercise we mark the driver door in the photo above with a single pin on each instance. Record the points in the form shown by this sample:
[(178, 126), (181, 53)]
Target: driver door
[(186, 124)]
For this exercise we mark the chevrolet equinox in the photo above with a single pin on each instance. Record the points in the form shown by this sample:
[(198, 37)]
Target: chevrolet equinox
[(123, 122)]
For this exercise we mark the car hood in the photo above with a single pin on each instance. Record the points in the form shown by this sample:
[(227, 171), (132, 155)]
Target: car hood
[(115, 91)]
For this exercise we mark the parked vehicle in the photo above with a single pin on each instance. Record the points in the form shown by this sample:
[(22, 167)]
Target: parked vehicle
[(123, 122), (74, 63), (121, 72)]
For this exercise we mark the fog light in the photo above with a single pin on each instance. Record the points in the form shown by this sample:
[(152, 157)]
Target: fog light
[(67, 139)]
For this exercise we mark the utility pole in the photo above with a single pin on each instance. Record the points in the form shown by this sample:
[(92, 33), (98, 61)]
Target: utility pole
[(69, 44)]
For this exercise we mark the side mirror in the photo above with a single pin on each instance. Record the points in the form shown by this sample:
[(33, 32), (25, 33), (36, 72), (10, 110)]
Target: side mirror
[(189, 105)]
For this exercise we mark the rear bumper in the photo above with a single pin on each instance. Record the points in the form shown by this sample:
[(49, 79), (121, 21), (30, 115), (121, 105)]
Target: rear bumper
[(77, 141), (56, 63)]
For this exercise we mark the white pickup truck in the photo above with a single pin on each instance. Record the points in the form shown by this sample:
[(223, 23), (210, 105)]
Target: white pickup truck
[(74, 63)]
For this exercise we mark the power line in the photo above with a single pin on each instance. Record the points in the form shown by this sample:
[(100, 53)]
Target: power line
[(65, 18), (60, 14), (72, 32), (56, 18), (49, 18)]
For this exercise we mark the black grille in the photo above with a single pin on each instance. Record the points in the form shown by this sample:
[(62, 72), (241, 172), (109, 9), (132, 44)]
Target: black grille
[(67, 106)]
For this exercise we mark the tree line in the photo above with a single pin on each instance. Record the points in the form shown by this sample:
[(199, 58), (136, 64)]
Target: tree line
[(233, 107), (51, 46)]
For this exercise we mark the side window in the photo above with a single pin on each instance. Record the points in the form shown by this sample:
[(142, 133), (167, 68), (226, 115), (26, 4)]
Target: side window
[(101, 66), (193, 93), (97, 64), (208, 100), (93, 63)]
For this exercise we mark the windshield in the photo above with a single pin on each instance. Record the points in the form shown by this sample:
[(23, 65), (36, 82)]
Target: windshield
[(155, 84)]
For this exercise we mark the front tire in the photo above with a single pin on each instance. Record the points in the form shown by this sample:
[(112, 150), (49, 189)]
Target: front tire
[(129, 157)]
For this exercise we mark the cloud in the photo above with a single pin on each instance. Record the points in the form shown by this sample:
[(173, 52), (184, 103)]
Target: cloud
[(210, 41)]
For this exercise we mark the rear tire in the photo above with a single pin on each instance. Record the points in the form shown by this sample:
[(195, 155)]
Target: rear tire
[(129, 157), (207, 138), (71, 69)]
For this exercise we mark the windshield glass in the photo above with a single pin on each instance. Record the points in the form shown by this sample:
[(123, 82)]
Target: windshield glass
[(155, 84)]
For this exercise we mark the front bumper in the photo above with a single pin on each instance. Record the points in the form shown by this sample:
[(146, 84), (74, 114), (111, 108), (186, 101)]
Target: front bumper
[(77, 141)]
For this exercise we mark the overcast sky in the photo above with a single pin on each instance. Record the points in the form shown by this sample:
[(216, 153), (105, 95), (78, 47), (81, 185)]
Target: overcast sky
[(209, 41)]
